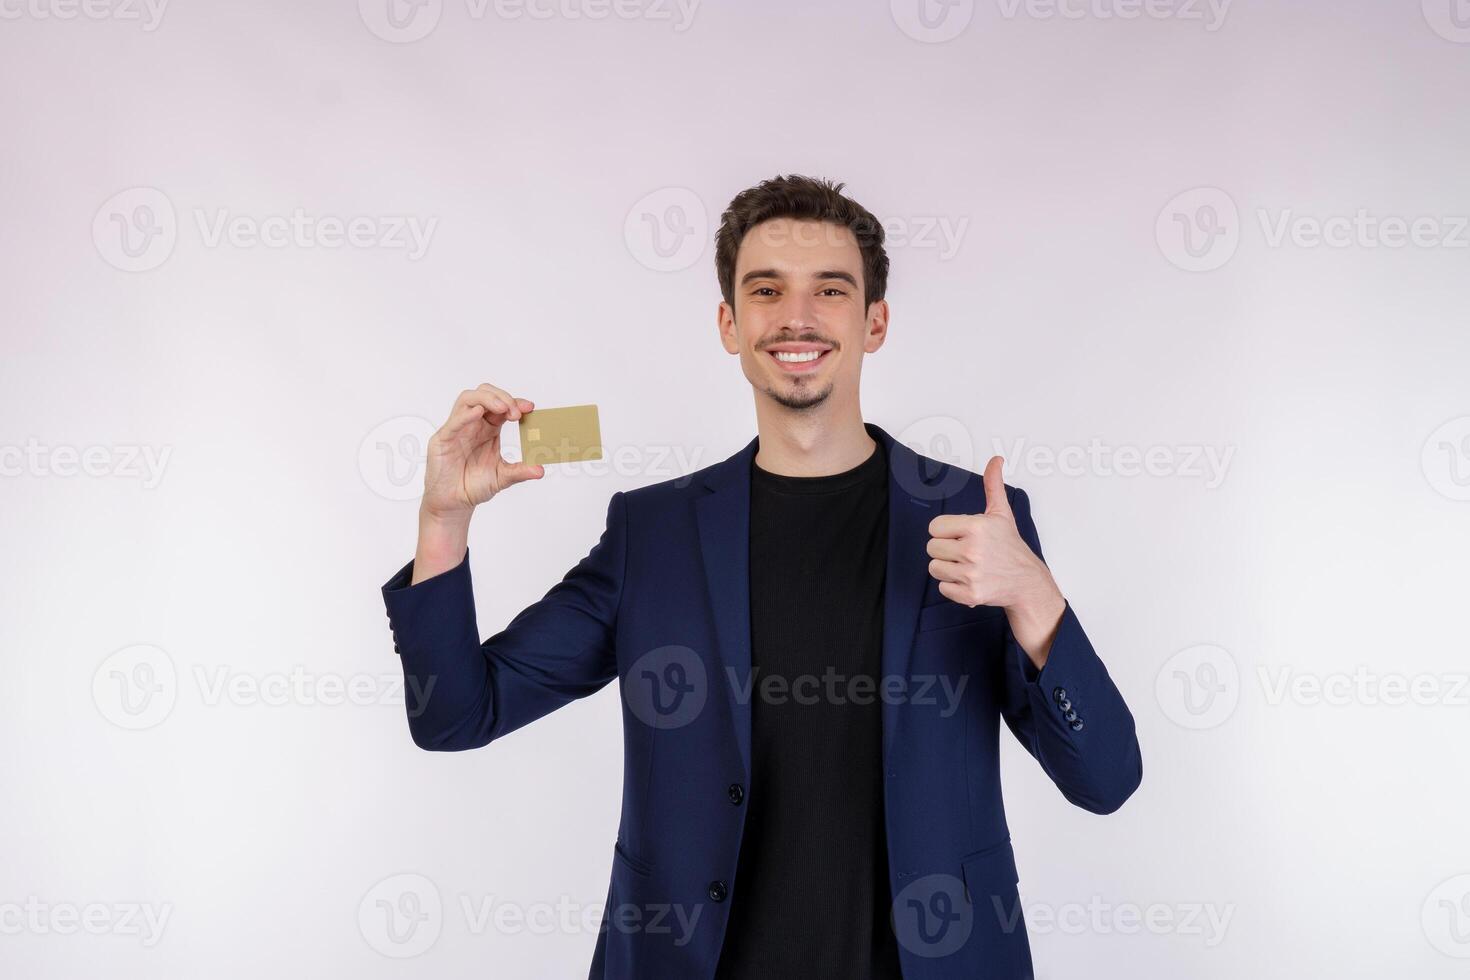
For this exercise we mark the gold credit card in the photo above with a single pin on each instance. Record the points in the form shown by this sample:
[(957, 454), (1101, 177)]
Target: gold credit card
[(560, 435)]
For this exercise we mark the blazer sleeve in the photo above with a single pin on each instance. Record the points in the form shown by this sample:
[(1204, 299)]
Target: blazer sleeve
[(462, 693), (1069, 715)]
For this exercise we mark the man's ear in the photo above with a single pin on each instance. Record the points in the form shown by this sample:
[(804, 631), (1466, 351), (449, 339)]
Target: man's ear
[(725, 317), (877, 331)]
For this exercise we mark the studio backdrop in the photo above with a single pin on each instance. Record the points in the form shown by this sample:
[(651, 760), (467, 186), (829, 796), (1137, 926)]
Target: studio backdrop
[(1198, 269)]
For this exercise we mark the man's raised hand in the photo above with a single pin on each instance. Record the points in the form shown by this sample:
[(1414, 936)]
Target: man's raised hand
[(464, 468), (981, 559)]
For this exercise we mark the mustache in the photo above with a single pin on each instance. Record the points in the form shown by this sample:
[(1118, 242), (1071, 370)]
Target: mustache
[(805, 339)]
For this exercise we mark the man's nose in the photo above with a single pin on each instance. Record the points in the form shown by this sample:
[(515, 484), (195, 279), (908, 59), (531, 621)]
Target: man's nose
[(798, 313)]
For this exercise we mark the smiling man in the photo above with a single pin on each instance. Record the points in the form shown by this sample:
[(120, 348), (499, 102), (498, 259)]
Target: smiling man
[(816, 640)]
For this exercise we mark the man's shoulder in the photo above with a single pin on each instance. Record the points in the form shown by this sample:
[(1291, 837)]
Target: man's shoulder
[(671, 490)]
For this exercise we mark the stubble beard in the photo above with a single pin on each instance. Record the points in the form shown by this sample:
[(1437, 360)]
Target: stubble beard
[(799, 397)]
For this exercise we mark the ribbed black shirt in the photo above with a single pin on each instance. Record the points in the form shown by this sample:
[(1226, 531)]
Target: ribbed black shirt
[(811, 896)]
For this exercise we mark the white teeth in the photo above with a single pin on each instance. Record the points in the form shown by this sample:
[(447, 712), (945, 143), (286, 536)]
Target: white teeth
[(790, 358)]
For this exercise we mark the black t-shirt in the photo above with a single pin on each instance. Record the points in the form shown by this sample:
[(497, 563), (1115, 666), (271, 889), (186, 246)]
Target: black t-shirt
[(811, 896)]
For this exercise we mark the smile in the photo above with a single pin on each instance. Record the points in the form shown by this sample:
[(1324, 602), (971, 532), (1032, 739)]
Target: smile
[(799, 361)]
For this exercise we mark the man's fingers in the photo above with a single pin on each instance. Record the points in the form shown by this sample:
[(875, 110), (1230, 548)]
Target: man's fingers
[(948, 526), (955, 593), (500, 404), (995, 488), (493, 404), (514, 473), (947, 549), (945, 571), (506, 406), (514, 407), (463, 417)]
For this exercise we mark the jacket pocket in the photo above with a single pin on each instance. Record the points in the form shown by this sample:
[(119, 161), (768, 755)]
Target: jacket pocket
[(990, 884), (942, 615), (640, 868), (991, 865)]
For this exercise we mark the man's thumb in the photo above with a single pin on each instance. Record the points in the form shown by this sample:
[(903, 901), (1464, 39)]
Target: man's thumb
[(995, 488), (513, 473)]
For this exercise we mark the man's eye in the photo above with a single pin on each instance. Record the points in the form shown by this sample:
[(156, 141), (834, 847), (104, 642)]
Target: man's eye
[(834, 291), (763, 289)]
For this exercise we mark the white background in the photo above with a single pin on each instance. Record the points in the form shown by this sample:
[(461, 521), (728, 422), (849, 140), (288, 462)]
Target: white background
[(283, 382)]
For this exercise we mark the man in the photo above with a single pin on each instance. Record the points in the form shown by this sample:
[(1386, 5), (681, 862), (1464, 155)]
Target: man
[(814, 639)]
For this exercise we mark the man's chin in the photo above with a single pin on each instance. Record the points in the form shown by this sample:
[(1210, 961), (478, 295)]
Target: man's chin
[(798, 396)]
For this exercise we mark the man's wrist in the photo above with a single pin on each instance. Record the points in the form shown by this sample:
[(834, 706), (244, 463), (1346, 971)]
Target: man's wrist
[(442, 544), (1041, 608), (446, 521), (1034, 620)]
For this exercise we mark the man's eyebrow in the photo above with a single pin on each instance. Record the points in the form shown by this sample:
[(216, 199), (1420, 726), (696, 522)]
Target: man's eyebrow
[(838, 274), (755, 274)]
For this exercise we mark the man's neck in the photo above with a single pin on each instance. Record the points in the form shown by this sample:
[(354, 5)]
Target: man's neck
[(795, 444)]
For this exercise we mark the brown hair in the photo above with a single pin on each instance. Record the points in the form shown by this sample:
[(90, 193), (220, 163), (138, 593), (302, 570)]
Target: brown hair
[(802, 198)]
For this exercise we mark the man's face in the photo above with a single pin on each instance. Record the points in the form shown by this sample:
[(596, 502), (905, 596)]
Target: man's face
[(799, 322)]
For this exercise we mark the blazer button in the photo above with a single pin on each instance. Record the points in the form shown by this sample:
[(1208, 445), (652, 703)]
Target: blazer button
[(1059, 694), (1070, 716), (1077, 725), (1064, 704), (737, 794), (717, 891)]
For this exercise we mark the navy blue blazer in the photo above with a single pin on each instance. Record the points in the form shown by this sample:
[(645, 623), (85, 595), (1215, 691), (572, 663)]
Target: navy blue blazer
[(661, 604)]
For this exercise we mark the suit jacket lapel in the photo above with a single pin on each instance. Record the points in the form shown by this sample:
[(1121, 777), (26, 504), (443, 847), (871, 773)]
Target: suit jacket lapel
[(913, 501), (723, 516)]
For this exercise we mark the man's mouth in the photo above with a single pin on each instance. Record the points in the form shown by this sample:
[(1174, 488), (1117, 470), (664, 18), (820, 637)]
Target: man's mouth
[(798, 358)]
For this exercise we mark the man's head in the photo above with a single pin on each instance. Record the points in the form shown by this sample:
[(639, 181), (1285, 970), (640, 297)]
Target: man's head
[(803, 274)]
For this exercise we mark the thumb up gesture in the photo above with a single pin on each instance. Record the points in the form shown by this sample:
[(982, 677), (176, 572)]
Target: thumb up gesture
[(981, 559)]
